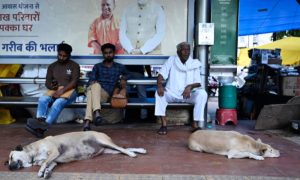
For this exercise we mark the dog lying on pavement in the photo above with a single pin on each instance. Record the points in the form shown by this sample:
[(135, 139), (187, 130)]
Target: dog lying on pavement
[(231, 144), (65, 148)]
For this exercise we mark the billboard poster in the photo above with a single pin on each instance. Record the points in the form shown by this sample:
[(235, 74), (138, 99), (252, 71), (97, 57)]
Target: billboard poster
[(35, 27)]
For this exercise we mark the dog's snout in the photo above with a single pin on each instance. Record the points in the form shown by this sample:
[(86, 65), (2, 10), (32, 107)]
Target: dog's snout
[(14, 165)]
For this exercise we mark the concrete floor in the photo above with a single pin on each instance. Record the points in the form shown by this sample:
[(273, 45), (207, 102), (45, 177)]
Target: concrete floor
[(168, 156)]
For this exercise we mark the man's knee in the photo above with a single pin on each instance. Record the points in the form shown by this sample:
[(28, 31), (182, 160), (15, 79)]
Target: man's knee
[(95, 85), (60, 103), (45, 98), (201, 94)]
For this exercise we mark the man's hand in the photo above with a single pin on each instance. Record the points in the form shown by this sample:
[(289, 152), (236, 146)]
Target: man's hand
[(136, 52), (58, 93), (187, 92), (160, 90), (123, 83), (54, 85)]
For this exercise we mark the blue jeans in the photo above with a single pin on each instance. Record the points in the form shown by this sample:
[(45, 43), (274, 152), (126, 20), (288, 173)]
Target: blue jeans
[(57, 105)]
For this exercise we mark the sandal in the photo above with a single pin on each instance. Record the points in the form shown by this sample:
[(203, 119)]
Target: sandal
[(86, 126), (162, 130), (97, 119)]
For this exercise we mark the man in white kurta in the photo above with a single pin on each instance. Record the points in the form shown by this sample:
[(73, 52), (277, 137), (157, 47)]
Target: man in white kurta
[(183, 85)]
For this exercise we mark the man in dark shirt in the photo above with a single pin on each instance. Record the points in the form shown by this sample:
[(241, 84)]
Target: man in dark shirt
[(103, 79), (61, 80)]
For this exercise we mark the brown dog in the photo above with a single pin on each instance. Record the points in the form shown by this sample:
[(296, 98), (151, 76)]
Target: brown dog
[(231, 144)]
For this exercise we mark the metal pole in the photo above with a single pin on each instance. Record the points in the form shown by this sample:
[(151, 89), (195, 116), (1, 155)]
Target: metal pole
[(202, 15)]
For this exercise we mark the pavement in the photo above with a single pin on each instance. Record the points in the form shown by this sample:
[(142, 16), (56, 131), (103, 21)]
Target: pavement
[(168, 156)]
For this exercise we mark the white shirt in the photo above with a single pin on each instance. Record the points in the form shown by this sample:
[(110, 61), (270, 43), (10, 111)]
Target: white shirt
[(148, 24), (180, 75)]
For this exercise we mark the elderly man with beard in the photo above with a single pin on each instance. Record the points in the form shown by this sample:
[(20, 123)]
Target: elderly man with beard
[(102, 81), (61, 81), (183, 85)]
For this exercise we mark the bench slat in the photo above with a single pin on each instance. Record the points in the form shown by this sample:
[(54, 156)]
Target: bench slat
[(144, 81), (13, 101)]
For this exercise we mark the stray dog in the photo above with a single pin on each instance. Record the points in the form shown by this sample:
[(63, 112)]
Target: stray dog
[(65, 148), (231, 144)]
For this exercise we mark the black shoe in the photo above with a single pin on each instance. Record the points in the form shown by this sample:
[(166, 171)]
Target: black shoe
[(86, 126), (37, 123), (39, 133), (97, 119)]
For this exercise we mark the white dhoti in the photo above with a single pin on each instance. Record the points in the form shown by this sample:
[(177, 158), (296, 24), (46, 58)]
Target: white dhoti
[(198, 98)]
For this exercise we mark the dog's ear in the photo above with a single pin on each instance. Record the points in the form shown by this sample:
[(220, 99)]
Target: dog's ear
[(258, 140), (19, 148)]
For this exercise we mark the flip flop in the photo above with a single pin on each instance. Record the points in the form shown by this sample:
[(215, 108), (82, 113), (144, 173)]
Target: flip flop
[(162, 130)]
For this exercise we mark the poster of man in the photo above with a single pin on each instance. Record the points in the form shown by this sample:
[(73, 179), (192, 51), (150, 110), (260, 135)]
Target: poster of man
[(35, 27)]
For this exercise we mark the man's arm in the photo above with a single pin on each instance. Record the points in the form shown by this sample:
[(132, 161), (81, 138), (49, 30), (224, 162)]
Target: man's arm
[(49, 79), (93, 74), (196, 83), (124, 40), (92, 40), (188, 89), (160, 87)]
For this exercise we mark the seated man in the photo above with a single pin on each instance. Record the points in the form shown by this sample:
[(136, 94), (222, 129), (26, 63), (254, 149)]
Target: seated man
[(183, 85), (61, 81), (103, 79)]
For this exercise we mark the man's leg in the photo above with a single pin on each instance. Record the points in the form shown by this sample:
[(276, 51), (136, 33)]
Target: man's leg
[(43, 105), (199, 99), (95, 95), (57, 106), (161, 103), (38, 126)]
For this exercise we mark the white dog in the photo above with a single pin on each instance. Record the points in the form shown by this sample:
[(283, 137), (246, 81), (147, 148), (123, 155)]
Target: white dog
[(231, 144), (65, 148)]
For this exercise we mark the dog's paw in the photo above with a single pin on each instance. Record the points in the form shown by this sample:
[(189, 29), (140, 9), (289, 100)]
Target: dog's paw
[(142, 150), (137, 150), (47, 173), (260, 158), (40, 174), (131, 154)]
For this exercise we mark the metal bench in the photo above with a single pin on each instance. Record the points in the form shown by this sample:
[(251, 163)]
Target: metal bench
[(9, 101), (12, 101)]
